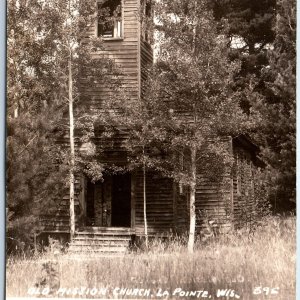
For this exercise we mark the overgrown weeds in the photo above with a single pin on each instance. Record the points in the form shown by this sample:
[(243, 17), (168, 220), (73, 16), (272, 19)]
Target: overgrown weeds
[(240, 260)]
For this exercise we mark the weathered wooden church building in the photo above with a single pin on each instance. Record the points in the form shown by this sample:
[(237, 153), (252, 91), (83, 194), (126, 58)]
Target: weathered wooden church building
[(109, 213)]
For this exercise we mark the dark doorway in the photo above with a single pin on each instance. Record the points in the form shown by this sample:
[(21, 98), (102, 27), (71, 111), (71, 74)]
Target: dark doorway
[(108, 202), (90, 204), (121, 198)]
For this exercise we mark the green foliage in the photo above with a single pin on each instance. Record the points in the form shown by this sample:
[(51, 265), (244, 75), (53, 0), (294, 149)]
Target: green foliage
[(188, 98), (249, 20), (249, 27), (263, 34), (188, 106), (279, 108), (38, 159), (262, 184), (34, 180)]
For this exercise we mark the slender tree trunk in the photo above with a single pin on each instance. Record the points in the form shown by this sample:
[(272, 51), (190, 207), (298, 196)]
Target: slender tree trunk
[(72, 150), (192, 207), (145, 201), (192, 230)]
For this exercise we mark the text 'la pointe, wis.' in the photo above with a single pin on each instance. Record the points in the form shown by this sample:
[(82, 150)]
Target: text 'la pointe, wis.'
[(147, 293)]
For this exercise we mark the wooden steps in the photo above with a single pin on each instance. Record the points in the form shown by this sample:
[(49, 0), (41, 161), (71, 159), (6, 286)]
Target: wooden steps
[(102, 240)]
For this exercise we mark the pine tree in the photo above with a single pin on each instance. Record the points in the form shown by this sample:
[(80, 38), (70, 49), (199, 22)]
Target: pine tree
[(249, 26), (32, 112), (279, 107), (264, 36)]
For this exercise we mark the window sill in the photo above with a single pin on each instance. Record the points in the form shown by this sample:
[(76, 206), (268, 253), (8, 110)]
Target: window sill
[(112, 38)]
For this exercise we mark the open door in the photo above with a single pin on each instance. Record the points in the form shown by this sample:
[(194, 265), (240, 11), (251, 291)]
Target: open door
[(121, 200), (108, 203)]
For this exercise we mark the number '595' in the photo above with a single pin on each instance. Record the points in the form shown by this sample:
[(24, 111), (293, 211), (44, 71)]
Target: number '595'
[(258, 290)]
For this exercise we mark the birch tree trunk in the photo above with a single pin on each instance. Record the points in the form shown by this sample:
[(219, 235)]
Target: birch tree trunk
[(72, 149), (192, 230), (145, 201), (192, 207)]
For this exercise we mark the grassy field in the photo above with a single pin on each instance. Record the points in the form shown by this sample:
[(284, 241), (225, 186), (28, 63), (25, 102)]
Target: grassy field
[(250, 264)]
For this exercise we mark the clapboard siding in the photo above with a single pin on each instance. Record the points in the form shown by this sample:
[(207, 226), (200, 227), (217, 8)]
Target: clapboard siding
[(243, 185), (214, 195), (182, 209), (146, 63), (159, 199), (125, 54), (60, 220)]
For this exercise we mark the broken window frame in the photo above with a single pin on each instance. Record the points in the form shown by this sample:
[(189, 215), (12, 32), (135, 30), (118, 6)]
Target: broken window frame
[(146, 15), (115, 32)]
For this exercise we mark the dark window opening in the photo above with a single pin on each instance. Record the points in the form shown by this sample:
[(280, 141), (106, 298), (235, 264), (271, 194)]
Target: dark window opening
[(110, 19), (146, 19)]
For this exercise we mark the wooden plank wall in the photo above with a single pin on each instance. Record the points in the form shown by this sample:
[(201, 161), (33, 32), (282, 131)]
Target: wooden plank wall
[(214, 194), (159, 199), (168, 204), (146, 62), (243, 185), (60, 220), (213, 203), (124, 52), (181, 196)]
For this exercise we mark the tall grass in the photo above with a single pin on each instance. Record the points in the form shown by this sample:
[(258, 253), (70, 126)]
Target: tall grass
[(239, 260)]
